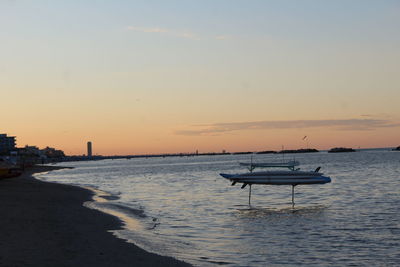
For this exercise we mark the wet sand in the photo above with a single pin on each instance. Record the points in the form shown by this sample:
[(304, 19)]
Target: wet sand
[(45, 224)]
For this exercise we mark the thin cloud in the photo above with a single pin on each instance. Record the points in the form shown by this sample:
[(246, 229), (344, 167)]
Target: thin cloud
[(170, 32), (142, 29), (222, 37), (344, 125)]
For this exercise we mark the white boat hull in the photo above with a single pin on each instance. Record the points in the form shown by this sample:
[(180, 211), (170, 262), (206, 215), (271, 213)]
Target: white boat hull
[(278, 178)]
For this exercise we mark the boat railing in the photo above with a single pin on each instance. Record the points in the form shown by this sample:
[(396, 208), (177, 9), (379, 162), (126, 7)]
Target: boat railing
[(291, 165)]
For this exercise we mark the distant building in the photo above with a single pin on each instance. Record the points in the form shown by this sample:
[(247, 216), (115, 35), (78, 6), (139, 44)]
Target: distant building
[(52, 153), (30, 155), (7, 144), (89, 149), (33, 150)]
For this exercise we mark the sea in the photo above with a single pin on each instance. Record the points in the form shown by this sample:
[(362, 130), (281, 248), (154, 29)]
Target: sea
[(182, 207)]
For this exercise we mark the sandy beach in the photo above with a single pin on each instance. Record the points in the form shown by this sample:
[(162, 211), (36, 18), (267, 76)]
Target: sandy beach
[(45, 224)]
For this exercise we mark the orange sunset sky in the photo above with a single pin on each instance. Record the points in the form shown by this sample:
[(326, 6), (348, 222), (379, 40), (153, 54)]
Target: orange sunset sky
[(144, 77)]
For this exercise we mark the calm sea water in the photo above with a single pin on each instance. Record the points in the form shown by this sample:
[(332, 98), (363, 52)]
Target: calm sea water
[(181, 207)]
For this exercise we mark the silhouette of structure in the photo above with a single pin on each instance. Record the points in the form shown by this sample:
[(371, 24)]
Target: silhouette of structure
[(89, 149), (7, 143)]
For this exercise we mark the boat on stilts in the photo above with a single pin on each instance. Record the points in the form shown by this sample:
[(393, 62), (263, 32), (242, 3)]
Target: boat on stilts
[(292, 177)]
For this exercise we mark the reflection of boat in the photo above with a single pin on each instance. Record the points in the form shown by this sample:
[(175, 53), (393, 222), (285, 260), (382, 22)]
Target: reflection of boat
[(292, 177)]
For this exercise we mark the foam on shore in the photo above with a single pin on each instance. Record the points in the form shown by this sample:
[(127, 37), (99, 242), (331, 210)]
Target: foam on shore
[(137, 225)]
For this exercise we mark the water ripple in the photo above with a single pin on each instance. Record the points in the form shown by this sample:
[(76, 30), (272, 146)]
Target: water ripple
[(183, 208)]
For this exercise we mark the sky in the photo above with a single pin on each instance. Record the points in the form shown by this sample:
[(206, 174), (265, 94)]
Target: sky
[(149, 77)]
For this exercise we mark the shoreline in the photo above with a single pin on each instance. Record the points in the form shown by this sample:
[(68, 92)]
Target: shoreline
[(45, 224)]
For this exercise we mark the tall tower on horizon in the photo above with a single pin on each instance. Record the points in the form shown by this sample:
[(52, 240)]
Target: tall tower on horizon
[(89, 149)]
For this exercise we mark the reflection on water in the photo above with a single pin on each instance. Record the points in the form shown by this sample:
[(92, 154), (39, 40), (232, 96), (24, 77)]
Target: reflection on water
[(268, 213), (181, 207)]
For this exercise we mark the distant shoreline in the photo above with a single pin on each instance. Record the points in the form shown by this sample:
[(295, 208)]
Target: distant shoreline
[(289, 151), (45, 224)]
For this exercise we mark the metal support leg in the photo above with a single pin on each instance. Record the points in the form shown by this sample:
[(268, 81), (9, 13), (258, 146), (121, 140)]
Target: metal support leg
[(249, 194), (293, 196)]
